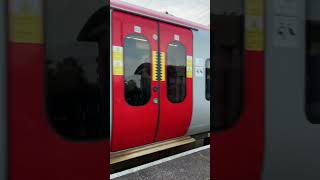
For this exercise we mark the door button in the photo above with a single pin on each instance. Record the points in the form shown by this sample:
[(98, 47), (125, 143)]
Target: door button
[(155, 101), (155, 89)]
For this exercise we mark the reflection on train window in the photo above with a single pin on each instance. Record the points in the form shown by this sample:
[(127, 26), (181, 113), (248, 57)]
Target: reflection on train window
[(228, 69), (176, 72), (137, 70), (313, 71), (76, 69), (208, 79)]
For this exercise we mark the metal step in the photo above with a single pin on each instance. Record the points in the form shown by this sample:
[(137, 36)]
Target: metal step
[(120, 156)]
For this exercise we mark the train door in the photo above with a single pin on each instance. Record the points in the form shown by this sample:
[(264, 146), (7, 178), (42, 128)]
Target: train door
[(292, 93), (175, 82), (57, 122), (135, 95), (238, 90), (151, 84)]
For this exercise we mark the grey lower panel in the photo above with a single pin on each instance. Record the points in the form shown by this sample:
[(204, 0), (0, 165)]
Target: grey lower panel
[(3, 132)]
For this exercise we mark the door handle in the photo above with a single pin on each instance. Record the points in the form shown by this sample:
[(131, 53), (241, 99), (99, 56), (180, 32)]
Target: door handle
[(155, 101)]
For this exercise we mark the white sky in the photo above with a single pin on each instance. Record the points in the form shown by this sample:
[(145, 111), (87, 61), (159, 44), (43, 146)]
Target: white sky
[(194, 10)]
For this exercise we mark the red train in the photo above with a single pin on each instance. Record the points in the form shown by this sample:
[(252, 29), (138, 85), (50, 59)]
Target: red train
[(156, 92)]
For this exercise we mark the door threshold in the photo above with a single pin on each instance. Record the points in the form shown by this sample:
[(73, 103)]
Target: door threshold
[(124, 155)]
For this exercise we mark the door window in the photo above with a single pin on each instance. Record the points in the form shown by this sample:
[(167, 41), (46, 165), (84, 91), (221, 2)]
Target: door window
[(176, 72), (312, 102), (137, 70), (228, 55), (208, 79), (76, 67)]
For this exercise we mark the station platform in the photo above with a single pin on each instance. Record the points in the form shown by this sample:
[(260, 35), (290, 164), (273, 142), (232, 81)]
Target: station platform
[(192, 164)]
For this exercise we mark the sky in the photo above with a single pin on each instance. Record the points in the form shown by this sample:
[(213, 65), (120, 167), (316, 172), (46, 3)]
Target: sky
[(193, 10)]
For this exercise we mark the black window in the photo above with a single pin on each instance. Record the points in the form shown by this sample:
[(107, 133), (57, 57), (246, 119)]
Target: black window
[(313, 71), (176, 72), (208, 79), (228, 54), (137, 70), (76, 64)]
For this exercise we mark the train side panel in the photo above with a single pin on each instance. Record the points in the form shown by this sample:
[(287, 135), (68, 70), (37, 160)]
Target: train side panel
[(38, 149), (292, 150), (238, 128), (3, 119), (134, 111), (201, 106)]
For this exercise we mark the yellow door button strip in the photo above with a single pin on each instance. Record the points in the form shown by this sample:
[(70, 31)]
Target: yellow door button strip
[(155, 70), (117, 60), (189, 66)]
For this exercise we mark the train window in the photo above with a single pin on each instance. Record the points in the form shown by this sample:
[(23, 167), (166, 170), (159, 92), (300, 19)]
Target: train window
[(228, 54), (208, 79), (137, 70), (176, 72), (312, 101), (76, 64)]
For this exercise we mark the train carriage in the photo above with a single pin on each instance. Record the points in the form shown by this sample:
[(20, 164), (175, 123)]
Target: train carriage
[(154, 80)]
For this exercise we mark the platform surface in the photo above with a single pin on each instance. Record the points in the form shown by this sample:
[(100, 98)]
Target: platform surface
[(194, 166)]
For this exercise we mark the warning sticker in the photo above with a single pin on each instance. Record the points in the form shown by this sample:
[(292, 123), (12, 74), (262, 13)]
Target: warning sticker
[(154, 65), (26, 21), (155, 69), (254, 39), (254, 7), (189, 66), (199, 71), (117, 60), (285, 31), (162, 66)]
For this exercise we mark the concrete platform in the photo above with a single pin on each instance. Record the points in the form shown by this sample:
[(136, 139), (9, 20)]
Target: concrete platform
[(193, 164)]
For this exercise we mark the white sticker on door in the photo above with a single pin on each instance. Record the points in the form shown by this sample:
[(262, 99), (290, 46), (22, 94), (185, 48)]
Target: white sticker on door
[(137, 29), (199, 71), (176, 37), (286, 32), (199, 62)]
